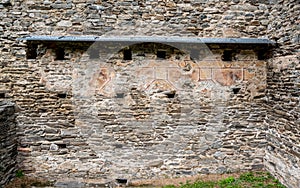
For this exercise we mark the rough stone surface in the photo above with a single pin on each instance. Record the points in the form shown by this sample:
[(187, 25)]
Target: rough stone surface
[(283, 152), (223, 116), (151, 116), (8, 142)]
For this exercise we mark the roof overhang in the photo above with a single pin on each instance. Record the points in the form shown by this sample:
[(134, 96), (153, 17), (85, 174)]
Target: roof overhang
[(154, 39)]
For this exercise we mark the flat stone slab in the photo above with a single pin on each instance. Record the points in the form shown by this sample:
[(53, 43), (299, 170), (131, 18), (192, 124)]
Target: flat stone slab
[(167, 39)]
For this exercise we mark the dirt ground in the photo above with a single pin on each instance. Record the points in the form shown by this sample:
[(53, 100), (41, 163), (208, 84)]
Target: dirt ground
[(177, 181), (25, 182)]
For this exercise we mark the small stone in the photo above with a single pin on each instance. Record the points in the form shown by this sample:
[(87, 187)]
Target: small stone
[(255, 23), (264, 22), (97, 7), (64, 23), (219, 155), (221, 170), (53, 147), (74, 184), (125, 17), (244, 7), (156, 163), (27, 150), (204, 171), (47, 2), (212, 10), (296, 39), (231, 33)]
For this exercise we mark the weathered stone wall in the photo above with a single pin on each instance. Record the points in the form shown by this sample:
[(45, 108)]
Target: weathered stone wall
[(283, 90), (106, 118), (283, 152), (8, 142), (203, 18), (54, 140), (193, 17)]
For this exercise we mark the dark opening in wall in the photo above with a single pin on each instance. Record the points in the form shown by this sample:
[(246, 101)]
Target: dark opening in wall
[(261, 55), (294, 94), (42, 110), (227, 55), (2, 95), (161, 54), (6, 3), (31, 51), (258, 96), (121, 180), (94, 54), (127, 54), (170, 95), (62, 145), (236, 90), (62, 95), (60, 54), (120, 95)]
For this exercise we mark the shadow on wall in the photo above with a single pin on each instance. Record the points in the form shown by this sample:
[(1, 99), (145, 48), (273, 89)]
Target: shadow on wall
[(8, 142)]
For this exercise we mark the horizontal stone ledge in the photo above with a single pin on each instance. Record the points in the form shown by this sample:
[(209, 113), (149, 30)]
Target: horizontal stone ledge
[(154, 39)]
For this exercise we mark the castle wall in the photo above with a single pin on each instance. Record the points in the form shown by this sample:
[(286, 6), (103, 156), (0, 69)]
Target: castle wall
[(106, 118), (282, 104), (8, 140), (63, 133), (282, 154)]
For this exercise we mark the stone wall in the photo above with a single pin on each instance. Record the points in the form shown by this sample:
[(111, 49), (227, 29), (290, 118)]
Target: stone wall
[(283, 152), (282, 155), (201, 18), (8, 142), (54, 139), (148, 116)]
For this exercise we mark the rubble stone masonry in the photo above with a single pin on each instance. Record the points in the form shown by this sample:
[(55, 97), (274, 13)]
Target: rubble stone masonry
[(8, 142), (91, 113)]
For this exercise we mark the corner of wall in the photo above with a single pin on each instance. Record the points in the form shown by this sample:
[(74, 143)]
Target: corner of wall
[(8, 140)]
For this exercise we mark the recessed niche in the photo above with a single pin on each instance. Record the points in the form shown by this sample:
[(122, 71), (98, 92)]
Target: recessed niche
[(2, 95), (236, 90), (62, 95), (227, 55), (62, 145), (261, 55), (31, 51), (6, 3), (161, 54), (121, 180), (170, 95), (120, 95), (127, 54), (60, 54), (42, 110)]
